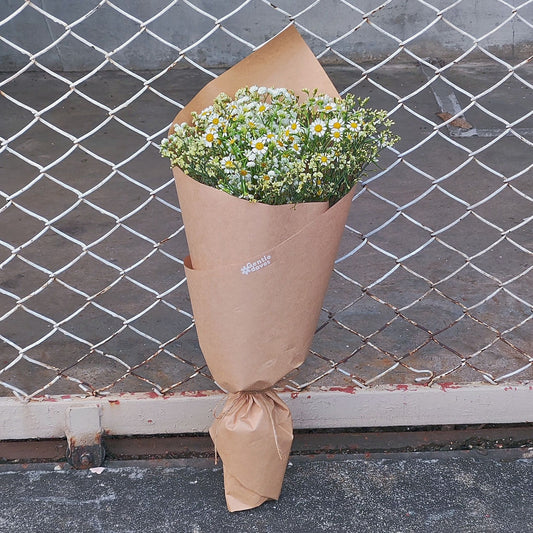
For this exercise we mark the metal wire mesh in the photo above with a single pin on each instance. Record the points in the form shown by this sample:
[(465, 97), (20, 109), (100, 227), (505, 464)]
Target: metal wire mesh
[(433, 282)]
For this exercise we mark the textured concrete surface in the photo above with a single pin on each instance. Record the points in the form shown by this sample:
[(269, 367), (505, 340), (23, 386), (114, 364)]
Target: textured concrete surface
[(182, 26), (439, 492)]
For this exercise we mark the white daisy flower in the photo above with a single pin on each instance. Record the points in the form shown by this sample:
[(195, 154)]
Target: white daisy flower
[(354, 125), (329, 107), (209, 137), (217, 121), (336, 124), (294, 127), (317, 128), (336, 135), (259, 146), (228, 164)]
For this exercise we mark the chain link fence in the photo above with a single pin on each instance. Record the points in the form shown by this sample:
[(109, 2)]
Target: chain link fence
[(434, 279)]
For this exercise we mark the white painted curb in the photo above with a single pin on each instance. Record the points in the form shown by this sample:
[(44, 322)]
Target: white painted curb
[(192, 412)]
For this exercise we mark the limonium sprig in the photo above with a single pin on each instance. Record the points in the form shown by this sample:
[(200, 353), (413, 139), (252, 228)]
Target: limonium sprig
[(265, 145)]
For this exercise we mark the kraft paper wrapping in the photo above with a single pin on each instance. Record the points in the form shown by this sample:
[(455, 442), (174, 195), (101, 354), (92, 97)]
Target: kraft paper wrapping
[(257, 276)]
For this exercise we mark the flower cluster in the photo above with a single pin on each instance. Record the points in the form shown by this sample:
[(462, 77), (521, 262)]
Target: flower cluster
[(267, 146)]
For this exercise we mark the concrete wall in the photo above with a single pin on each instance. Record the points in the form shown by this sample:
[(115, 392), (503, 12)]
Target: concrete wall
[(182, 26)]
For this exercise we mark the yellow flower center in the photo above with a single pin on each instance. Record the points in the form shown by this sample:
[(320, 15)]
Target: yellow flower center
[(337, 125), (215, 121), (336, 134), (243, 172), (262, 107), (318, 128), (209, 137), (353, 125), (266, 177), (294, 126), (259, 145), (324, 159), (229, 164)]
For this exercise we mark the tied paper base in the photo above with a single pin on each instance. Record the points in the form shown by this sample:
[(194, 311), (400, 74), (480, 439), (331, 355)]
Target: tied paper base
[(253, 436), (254, 326)]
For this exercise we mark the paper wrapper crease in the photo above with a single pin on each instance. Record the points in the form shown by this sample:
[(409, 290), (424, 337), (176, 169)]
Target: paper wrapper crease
[(257, 275)]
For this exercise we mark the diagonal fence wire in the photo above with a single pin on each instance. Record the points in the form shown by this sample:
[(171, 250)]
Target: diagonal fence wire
[(434, 274)]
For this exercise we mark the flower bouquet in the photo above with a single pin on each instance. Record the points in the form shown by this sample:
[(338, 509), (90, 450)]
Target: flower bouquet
[(265, 172)]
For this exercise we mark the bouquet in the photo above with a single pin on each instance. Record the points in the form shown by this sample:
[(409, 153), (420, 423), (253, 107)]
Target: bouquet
[(267, 146), (265, 180)]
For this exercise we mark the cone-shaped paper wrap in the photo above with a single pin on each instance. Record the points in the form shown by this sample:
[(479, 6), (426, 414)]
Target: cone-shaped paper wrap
[(257, 276), (256, 317)]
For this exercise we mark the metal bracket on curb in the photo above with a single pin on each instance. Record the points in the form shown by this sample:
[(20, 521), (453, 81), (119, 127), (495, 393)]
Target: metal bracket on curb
[(84, 437)]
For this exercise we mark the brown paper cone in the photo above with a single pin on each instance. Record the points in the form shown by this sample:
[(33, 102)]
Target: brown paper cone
[(284, 61), (222, 229), (255, 326), (257, 276)]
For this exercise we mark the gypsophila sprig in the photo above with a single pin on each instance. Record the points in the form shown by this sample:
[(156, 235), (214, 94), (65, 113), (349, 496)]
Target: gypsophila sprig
[(267, 146)]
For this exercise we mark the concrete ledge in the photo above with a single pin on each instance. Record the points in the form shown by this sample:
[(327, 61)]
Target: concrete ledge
[(192, 412)]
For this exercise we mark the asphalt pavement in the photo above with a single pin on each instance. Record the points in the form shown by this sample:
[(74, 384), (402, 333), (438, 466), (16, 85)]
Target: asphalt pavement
[(461, 491)]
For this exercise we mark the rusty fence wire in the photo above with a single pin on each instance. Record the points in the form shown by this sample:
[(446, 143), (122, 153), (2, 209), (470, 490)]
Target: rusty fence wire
[(434, 279)]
